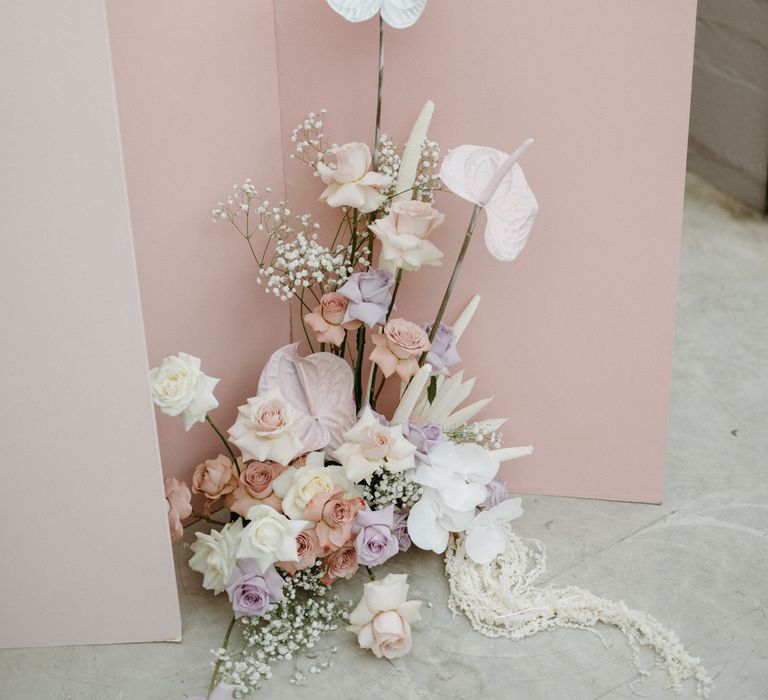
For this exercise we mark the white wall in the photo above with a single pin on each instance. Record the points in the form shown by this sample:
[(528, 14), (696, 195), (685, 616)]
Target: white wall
[(85, 551)]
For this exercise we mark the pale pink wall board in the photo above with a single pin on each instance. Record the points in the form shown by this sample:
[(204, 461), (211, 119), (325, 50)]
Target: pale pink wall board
[(575, 338), (196, 86), (83, 527)]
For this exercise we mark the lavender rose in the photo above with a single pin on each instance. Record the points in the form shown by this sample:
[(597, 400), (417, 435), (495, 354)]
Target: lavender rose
[(400, 530), (426, 436), (252, 591), (443, 353), (369, 294), (375, 542), (497, 493)]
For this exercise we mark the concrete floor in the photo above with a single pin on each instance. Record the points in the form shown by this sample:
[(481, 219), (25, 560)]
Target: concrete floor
[(699, 562)]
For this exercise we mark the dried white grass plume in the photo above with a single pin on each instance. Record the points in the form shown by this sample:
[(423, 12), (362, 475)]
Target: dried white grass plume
[(412, 154)]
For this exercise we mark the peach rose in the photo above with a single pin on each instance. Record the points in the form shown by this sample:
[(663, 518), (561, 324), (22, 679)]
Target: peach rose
[(178, 506), (327, 320), (398, 347), (214, 478), (382, 619), (308, 549), (403, 234), (349, 179), (334, 515), (255, 488), (340, 564)]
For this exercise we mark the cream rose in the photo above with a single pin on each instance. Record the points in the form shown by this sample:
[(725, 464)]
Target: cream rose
[(215, 555), (403, 234), (382, 619), (179, 387), (267, 429), (370, 446), (297, 487), (269, 537), (349, 179)]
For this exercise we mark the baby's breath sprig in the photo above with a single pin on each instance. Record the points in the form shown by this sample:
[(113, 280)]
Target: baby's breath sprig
[(427, 179), (385, 488), (288, 630), (477, 433), (309, 140)]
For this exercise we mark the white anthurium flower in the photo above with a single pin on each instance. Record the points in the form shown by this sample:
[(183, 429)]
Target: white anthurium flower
[(179, 387), (369, 446), (298, 486), (486, 538), (396, 13), (215, 554), (430, 521), (270, 537), (268, 428), (493, 180), (458, 473)]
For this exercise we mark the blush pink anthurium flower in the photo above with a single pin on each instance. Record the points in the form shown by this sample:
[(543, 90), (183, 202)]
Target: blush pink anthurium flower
[(382, 619), (493, 180), (486, 538), (350, 180), (396, 13), (327, 319)]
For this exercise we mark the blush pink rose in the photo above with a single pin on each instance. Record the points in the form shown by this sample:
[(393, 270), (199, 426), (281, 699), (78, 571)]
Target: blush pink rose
[(309, 550), (334, 515), (214, 478), (350, 180), (382, 619), (398, 348), (255, 488), (403, 234), (340, 564), (177, 503), (327, 319)]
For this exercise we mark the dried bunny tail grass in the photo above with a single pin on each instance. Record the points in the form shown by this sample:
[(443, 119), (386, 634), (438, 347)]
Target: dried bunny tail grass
[(500, 600)]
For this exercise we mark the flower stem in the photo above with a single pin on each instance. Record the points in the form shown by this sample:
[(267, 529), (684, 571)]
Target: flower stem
[(200, 516), (371, 575), (452, 281), (218, 432), (377, 135), (218, 662), (372, 375)]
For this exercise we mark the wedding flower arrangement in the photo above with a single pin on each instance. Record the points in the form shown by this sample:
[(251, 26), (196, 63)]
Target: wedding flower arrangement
[(317, 483)]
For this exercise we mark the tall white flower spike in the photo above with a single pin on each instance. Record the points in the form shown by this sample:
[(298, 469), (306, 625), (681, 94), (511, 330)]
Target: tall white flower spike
[(493, 180), (396, 13), (412, 154)]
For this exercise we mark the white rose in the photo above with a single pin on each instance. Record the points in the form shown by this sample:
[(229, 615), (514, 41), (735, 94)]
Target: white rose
[(404, 234), (180, 387), (215, 555), (370, 446), (350, 182), (270, 537), (297, 487), (267, 428)]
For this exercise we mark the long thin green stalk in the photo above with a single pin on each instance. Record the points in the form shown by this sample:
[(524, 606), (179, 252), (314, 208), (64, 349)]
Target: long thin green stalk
[(452, 281), (377, 135), (215, 673), (218, 432)]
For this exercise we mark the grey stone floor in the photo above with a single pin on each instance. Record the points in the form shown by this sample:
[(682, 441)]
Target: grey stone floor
[(699, 562)]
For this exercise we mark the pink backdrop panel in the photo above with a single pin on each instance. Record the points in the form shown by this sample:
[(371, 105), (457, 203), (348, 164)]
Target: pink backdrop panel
[(574, 339), (196, 84)]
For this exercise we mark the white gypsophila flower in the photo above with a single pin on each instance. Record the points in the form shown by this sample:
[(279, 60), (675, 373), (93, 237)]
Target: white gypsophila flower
[(369, 446), (486, 537), (179, 387), (297, 487), (396, 13), (267, 428), (215, 555), (309, 140), (270, 537)]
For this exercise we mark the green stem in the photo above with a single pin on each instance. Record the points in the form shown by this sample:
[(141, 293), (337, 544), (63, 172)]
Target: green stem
[(359, 366), (218, 432), (212, 684), (377, 135), (370, 573), (452, 281), (200, 516), (374, 369)]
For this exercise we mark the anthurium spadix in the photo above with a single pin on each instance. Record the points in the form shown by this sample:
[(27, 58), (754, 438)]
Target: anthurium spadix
[(493, 180), (396, 13)]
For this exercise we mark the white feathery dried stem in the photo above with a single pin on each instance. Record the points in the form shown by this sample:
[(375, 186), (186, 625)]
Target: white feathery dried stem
[(506, 453), (461, 323), (412, 154), (411, 395), (465, 414)]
